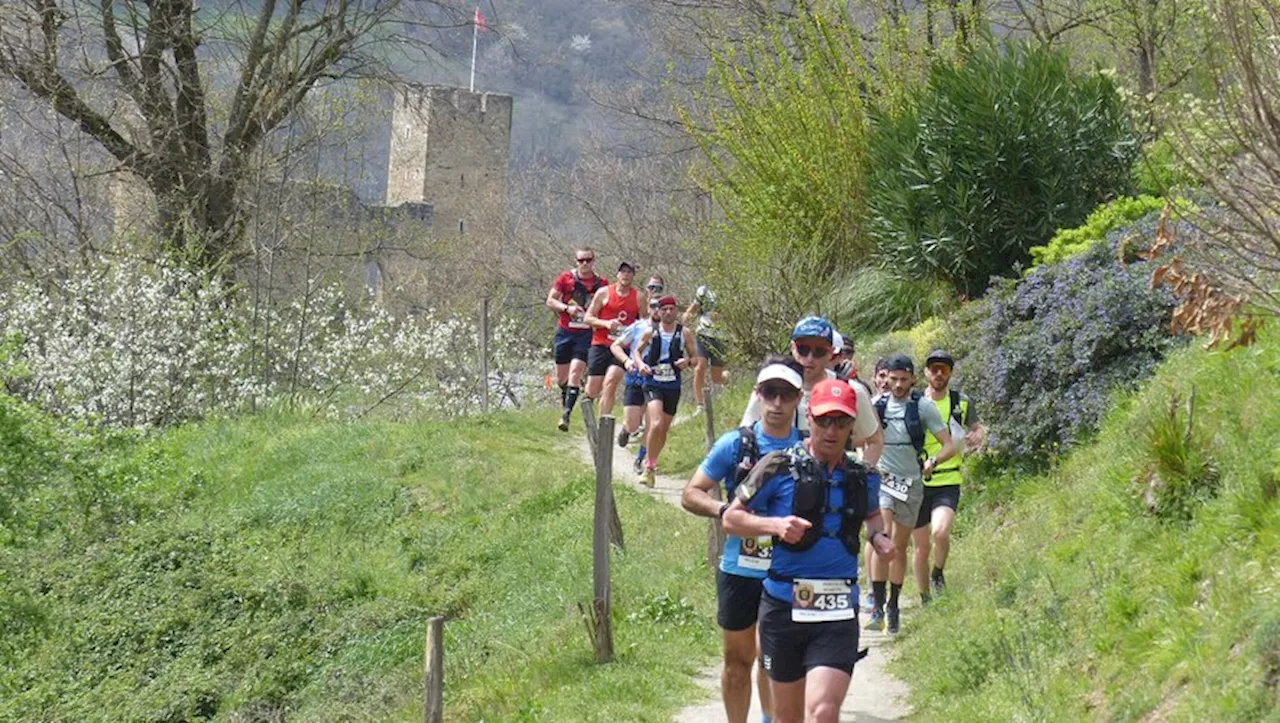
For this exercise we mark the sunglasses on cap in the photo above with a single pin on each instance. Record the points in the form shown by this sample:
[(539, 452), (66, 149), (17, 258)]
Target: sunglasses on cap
[(586, 259), (654, 287), (813, 351), (840, 422), (785, 392)]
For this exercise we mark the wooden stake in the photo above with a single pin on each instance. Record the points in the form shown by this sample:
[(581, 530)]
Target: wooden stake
[(433, 672)]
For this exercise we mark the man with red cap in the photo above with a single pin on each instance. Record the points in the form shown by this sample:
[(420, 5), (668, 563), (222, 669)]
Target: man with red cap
[(813, 499), (661, 355)]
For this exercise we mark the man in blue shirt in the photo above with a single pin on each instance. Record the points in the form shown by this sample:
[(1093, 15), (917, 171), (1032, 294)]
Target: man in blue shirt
[(812, 500), (743, 563)]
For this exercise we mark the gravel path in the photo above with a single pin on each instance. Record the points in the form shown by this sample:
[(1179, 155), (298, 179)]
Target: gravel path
[(874, 695)]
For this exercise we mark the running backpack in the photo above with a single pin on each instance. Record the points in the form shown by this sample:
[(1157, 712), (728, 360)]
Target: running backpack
[(653, 355), (910, 417), (811, 501), (748, 456), (581, 294)]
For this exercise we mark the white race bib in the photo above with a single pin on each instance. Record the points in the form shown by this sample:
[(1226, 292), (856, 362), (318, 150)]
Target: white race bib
[(579, 325), (822, 601), (895, 486), (664, 373), (755, 553)]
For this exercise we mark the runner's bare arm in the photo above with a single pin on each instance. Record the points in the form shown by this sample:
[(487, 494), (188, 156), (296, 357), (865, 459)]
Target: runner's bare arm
[(616, 349), (555, 301), (696, 497), (947, 452), (872, 448), (876, 535), (597, 303), (687, 335), (690, 314), (637, 352)]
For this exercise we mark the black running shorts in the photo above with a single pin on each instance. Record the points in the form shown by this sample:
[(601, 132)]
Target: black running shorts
[(571, 344), (670, 399), (737, 600), (943, 496), (633, 396), (789, 650), (711, 348), (600, 359)]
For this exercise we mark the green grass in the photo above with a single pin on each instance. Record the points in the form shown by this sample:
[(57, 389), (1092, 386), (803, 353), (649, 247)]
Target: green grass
[(1077, 596), (277, 566)]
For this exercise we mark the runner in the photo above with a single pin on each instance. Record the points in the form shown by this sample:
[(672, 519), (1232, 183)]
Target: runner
[(810, 346), (812, 499), (704, 319), (612, 309), (633, 389), (743, 563), (660, 363), (906, 415), (942, 492), (880, 382), (841, 363), (570, 295)]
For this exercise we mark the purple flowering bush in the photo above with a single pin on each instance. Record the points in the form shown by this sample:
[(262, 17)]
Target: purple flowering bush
[(1049, 349)]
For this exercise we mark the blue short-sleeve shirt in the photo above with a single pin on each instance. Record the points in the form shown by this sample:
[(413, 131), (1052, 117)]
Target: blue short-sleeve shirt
[(719, 467)]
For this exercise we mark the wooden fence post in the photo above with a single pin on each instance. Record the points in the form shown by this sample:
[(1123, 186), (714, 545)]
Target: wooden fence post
[(484, 355), (433, 672), (602, 453), (715, 533), (600, 622), (590, 424)]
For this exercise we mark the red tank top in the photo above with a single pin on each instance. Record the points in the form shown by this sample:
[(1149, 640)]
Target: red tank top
[(625, 309)]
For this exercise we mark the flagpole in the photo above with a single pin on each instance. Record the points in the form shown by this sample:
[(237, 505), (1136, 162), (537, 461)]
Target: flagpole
[(475, 33)]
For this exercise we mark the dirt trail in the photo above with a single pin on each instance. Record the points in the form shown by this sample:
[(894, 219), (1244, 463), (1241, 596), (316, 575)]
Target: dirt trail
[(874, 695)]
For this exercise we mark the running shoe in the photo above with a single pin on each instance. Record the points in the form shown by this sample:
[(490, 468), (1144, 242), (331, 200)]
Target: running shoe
[(638, 465), (698, 410), (563, 426), (650, 477), (894, 615), (937, 581), (876, 622), (869, 603), (623, 437)]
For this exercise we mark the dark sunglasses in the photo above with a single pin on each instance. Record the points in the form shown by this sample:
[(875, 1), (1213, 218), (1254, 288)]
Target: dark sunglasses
[(654, 287), (587, 260), (781, 391), (813, 352), (841, 422)]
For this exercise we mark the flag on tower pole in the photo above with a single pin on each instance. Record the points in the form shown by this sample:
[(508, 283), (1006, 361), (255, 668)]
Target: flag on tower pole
[(475, 34)]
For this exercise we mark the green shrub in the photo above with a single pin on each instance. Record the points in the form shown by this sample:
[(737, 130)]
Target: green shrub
[(872, 300), (1160, 171), (783, 135), (1180, 475), (988, 158), (1105, 218)]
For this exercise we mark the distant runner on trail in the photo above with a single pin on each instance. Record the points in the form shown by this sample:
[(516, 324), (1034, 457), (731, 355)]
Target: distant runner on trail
[(908, 417), (942, 492), (743, 563), (880, 382), (813, 499), (841, 363), (569, 296), (703, 317), (660, 355), (612, 309), (632, 383)]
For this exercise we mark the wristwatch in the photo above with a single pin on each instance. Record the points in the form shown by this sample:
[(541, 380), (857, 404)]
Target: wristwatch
[(723, 509)]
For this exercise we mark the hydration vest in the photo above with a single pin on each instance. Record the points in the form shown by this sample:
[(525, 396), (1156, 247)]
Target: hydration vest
[(653, 355), (910, 417), (581, 294), (812, 501), (748, 456)]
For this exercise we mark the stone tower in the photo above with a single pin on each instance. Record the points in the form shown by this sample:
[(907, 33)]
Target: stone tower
[(449, 149)]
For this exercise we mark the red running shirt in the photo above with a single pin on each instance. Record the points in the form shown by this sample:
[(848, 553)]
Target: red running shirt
[(625, 309), (578, 290)]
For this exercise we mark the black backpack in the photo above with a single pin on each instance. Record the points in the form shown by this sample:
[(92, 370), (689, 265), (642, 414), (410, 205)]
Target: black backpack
[(748, 456), (910, 417)]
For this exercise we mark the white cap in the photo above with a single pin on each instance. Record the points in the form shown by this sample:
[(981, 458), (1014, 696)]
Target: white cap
[(781, 372), (837, 341)]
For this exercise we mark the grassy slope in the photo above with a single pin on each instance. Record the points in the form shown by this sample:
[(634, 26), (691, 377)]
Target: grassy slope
[(1068, 600), (282, 565)]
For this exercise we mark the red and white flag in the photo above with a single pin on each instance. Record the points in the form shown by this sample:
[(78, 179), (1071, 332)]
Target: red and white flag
[(479, 21), (476, 25)]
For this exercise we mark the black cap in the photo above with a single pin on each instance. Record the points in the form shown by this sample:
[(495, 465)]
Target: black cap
[(899, 363), (938, 356), (626, 265)]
